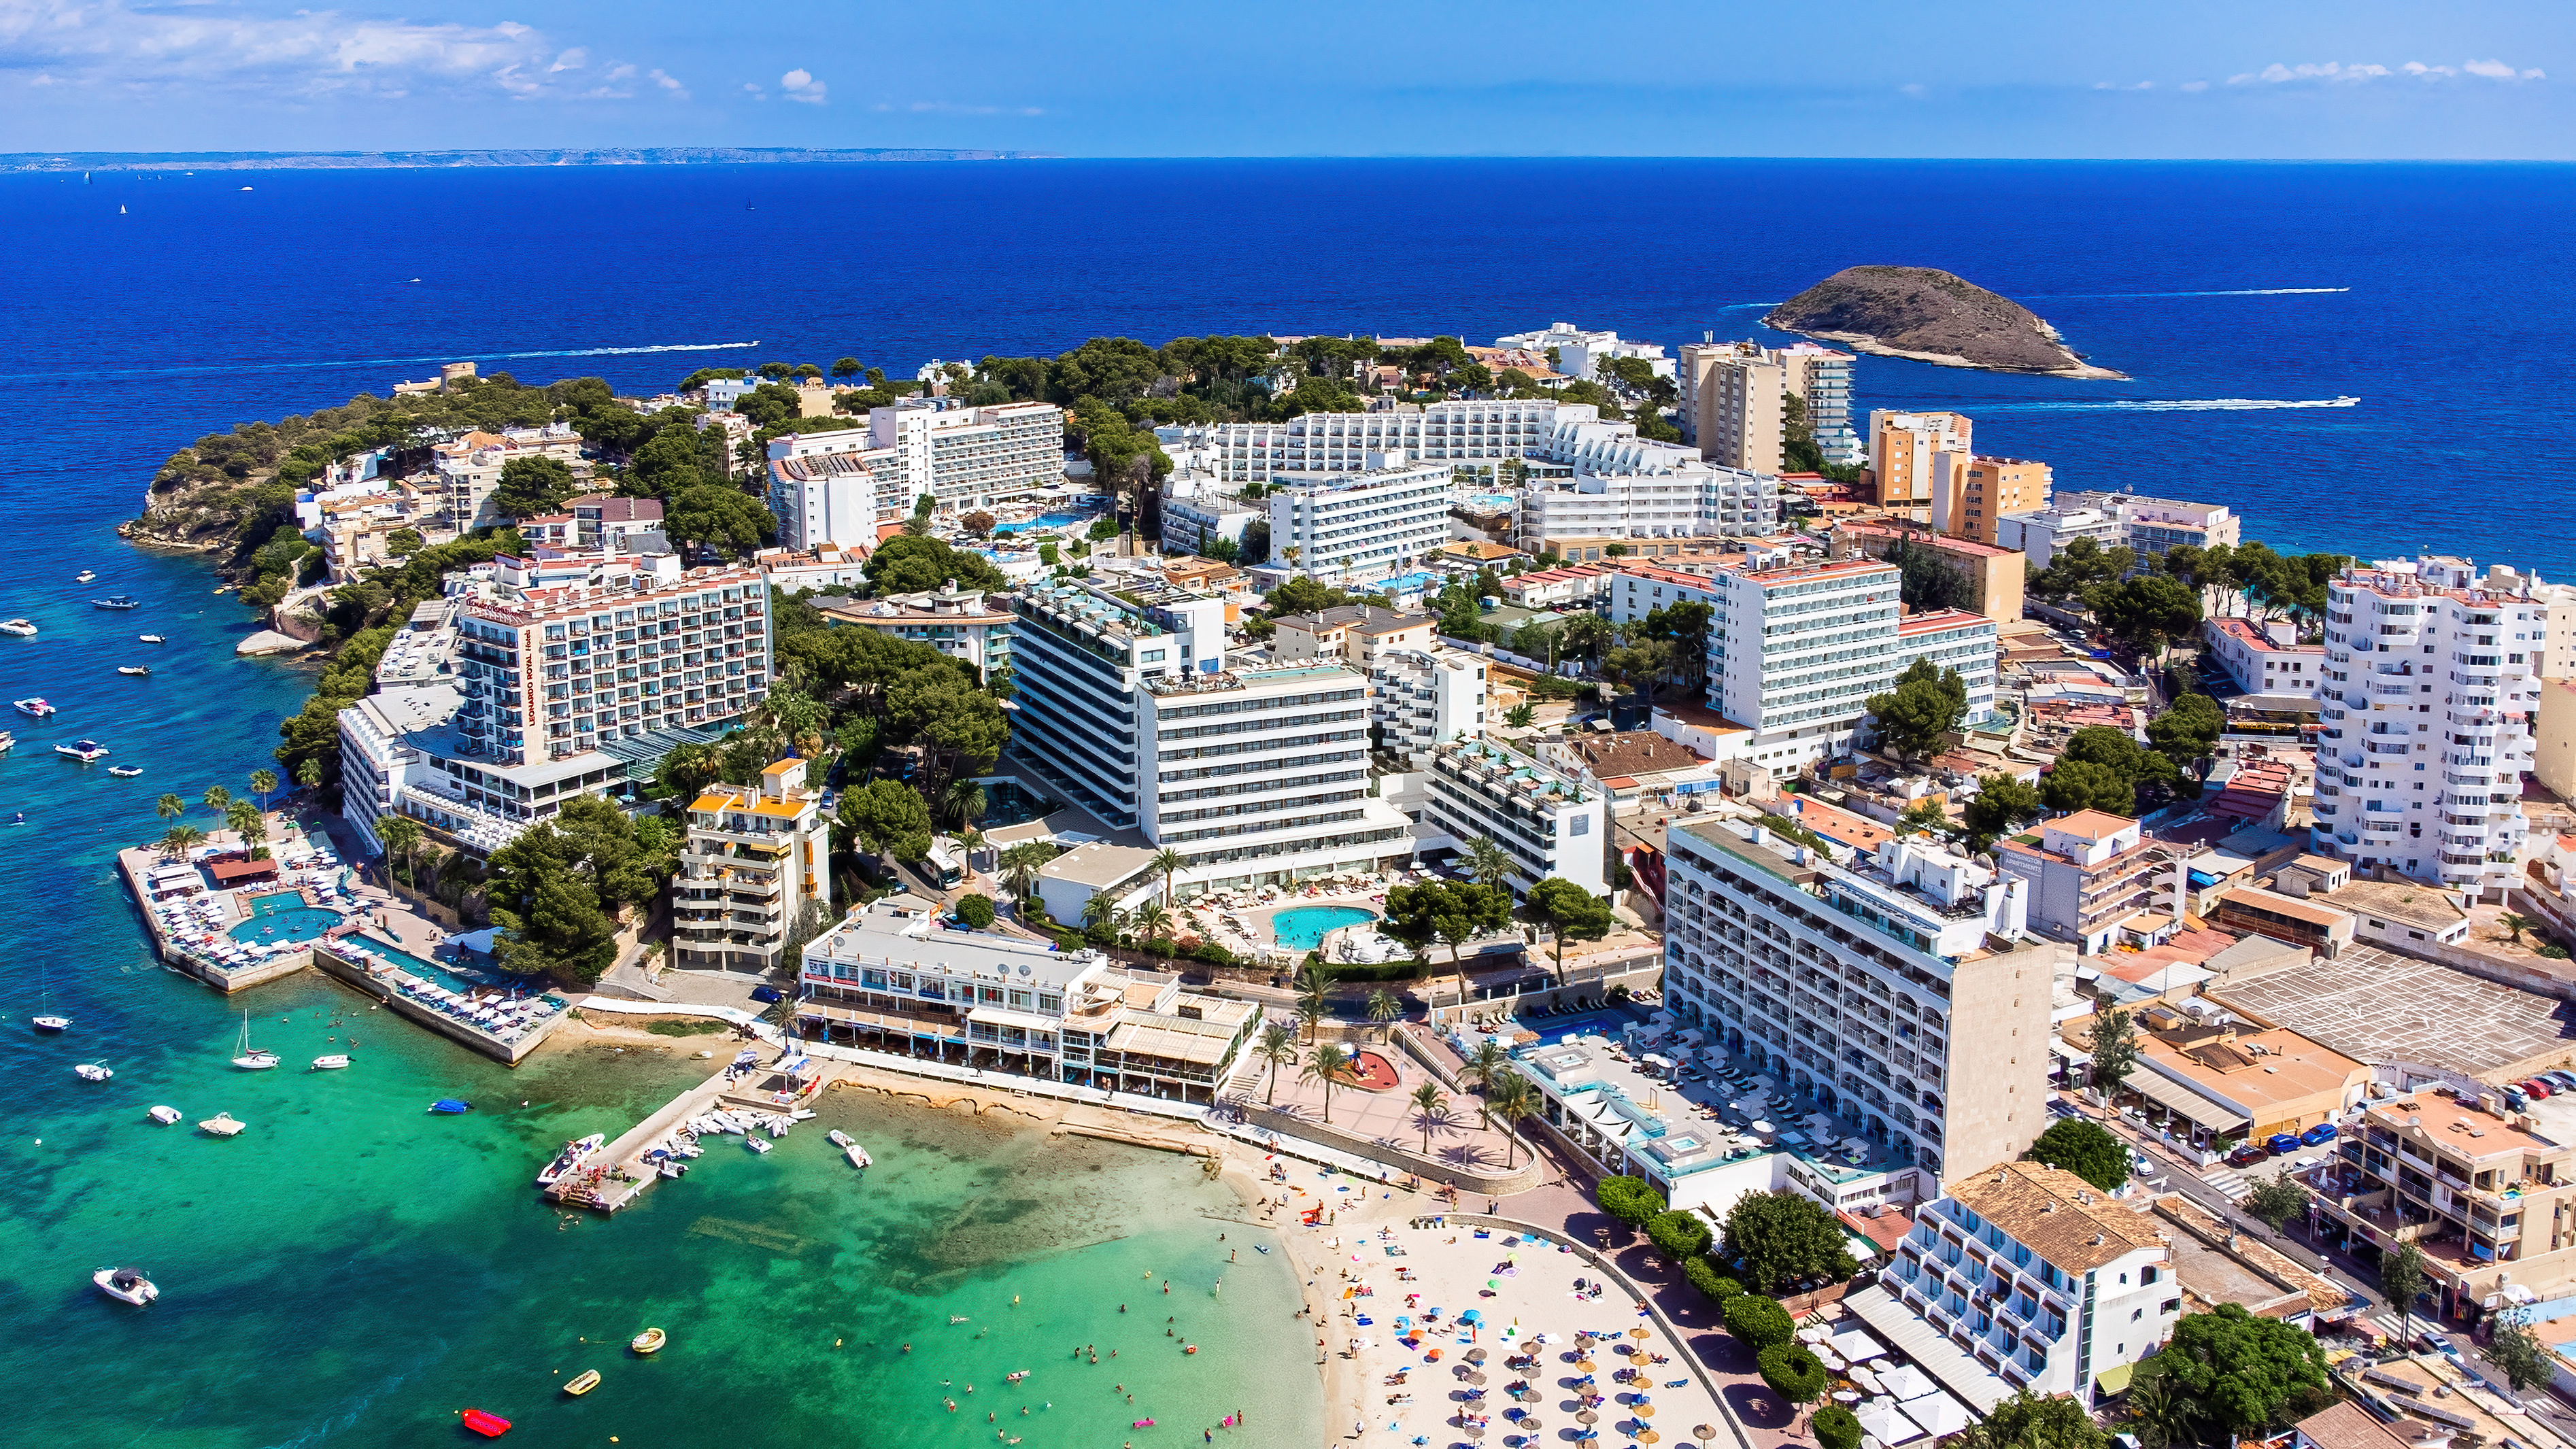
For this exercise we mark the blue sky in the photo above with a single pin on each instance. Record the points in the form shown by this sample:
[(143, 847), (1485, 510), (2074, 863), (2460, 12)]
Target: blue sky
[(2002, 78)]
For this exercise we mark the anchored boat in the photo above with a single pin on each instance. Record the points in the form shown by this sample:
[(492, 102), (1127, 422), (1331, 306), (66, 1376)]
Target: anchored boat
[(582, 1383), (92, 1072), (336, 1061), (125, 1285), (23, 628), (33, 704), (221, 1125), (251, 1058), (88, 752), (650, 1341), (166, 1116)]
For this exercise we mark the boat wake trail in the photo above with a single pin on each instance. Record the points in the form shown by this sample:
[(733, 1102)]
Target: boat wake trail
[(1745, 306), (2171, 405), (2230, 292), (241, 367)]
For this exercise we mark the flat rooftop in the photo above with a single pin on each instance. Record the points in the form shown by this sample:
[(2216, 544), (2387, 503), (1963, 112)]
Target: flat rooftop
[(2376, 1006)]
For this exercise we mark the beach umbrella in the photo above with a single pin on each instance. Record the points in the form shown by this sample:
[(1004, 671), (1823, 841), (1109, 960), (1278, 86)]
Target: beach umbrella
[(1586, 1416), (1704, 1431), (1585, 1364), (1475, 1355), (1639, 1332), (1647, 1436), (1473, 1378), (1641, 1411)]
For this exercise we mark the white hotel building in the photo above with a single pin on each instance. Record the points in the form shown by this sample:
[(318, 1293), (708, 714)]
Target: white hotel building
[(1362, 525), (967, 457), (546, 677), (1257, 776), (1797, 647), (1547, 822), (2431, 684)]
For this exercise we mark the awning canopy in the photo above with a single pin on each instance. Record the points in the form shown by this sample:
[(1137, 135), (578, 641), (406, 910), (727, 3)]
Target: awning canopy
[(2170, 1093), (2115, 1379), (1024, 1020)]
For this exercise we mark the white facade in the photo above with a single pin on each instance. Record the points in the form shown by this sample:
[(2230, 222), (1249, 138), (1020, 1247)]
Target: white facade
[(1846, 983), (2153, 525), (2431, 683), (965, 457), (1954, 639), (1580, 353), (755, 860), (469, 468), (1687, 503), (1363, 525), (1548, 823), (959, 623), (2052, 1282), (2044, 534), (1198, 510), (823, 500), (1442, 432), (1421, 697)]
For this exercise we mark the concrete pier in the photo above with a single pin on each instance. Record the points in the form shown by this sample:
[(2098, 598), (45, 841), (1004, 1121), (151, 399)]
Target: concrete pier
[(617, 1174)]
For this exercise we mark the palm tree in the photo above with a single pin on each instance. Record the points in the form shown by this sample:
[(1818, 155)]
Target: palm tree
[(1169, 862), (181, 840), (1100, 910), (1384, 1007), (263, 783), (1314, 987), (1151, 922), (1485, 1066), (1020, 864), (2514, 925), (962, 802), (401, 835), (1277, 1045), (246, 821), (171, 807), (309, 773), (1429, 1106), (1328, 1066), (1486, 861), (218, 799), (1511, 1097)]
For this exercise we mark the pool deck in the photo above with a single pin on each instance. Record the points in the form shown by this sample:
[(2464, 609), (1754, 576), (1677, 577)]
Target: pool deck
[(378, 980), (1259, 938)]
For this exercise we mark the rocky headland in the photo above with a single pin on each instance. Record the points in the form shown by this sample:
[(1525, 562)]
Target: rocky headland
[(1930, 316)]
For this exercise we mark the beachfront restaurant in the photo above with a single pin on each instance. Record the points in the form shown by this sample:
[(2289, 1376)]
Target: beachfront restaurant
[(894, 977)]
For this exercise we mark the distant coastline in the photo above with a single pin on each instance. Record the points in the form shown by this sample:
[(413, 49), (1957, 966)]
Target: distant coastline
[(22, 161)]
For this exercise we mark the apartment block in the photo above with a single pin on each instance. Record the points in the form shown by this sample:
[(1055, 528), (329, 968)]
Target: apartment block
[(1419, 697), (1360, 526), (1355, 633), (1994, 578), (1476, 434), (1684, 503), (1821, 377), (1732, 394), (2089, 873), (1580, 353), (757, 860), (2264, 658), (541, 678), (960, 623), (2042, 535), (2025, 1277), (1197, 510), (469, 468), (889, 977), (1899, 995), (2427, 706), (1955, 639), (1548, 823), (2154, 525), (2485, 1196), (1971, 494), (825, 500), (1908, 453), (966, 457)]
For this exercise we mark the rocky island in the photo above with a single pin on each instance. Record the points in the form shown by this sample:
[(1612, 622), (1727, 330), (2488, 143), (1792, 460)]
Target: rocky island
[(1931, 316)]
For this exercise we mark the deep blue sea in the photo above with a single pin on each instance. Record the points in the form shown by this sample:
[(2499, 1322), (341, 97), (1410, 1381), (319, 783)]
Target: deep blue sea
[(343, 1273)]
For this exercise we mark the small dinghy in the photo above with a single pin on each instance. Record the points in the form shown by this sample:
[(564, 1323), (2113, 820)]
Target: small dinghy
[(166, 1116), (756, 1145), (650, 1341), (582, 1383), (839, 1138), (336, 1061), (449, 1106), (92, 1072), (125, 1285), (859, 1156), (490, 1426), (222, 1124)]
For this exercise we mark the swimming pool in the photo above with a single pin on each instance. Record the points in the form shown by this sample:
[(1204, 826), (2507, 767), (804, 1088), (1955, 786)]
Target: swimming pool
[(1303, 927), (1063, 519), (1553, 1029), (283, 916)]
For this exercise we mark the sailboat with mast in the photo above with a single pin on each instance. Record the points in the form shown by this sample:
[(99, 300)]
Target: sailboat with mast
[(48, 1019), (251, 1058)]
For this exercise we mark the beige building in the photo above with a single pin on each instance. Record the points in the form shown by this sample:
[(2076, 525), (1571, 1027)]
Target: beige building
[(957, 623), (756, 858), (2481, 1195), (1353, 632), (1904, 453), (1731, 395), (1969, 492), (1996, 578), (2553, 759), (2269, 1081)]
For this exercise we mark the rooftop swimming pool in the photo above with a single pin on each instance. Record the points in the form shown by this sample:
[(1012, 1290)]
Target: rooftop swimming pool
[(1303, 927), (283, 916)]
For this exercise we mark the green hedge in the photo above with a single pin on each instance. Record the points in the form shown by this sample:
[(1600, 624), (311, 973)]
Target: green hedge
[(1703, 1275), (1791, 1369), (1632, 1200), (1758, 1322), (1682, 1235), (1836, 1427)]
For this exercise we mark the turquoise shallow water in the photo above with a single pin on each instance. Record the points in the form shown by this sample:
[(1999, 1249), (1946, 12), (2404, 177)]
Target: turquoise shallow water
[(353, 1270)]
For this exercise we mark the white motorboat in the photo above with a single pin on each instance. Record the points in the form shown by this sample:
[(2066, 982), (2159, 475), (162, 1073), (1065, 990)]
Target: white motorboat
[(838, 1138), (125, 772), (335, 1061), (802, 1114), (88, 752), (118, 602), (574, 1154), (222, 1124), (151, 638), (93, 1071), (125, 1285), (251, 1058), (859, 1156), (20, 627), (34, 705), (135, 670), (166, 1116), (755, 1144), (84, 576)]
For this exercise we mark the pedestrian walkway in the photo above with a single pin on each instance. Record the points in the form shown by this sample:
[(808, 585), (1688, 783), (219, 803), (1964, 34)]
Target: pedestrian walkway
[(2231, 1184)]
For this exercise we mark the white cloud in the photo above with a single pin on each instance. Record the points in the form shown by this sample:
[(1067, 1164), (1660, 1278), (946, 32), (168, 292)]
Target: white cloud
[(306, 55), (2113, 86), (666, 82), (951, 108), (800, 85), (2195, 85), (2334, 73)]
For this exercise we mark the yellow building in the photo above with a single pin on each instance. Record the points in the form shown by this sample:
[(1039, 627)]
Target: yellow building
[(1970, 492), (1903, 450), (757, 858)]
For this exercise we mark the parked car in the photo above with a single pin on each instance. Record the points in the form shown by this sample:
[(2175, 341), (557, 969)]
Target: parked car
[(2282, 1144), (2320, 1133), (2536, 1089), (2515, 1099), (2247, 1155), (2561, 1080)]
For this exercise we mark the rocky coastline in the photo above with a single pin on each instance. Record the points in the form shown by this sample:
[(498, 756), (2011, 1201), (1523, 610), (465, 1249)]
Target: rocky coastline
[(1932, 316)]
